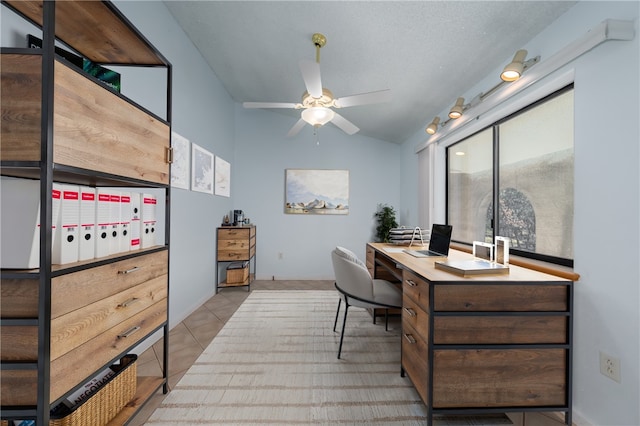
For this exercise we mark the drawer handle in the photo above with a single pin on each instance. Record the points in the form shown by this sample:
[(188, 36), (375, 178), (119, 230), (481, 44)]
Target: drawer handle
[(169, 155), (129, 332), (128, 302), (412, 283), (409, 338), (128, 271), (410, 312)]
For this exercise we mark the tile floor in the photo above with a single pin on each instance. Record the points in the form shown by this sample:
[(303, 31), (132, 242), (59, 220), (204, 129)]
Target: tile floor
[(189, 338)]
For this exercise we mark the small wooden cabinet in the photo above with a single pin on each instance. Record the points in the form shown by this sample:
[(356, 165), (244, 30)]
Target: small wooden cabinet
[(236, 244)]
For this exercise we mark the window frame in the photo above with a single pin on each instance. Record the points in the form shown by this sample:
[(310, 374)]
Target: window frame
[(495, 129)]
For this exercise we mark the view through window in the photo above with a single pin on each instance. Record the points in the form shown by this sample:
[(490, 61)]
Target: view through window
[(524, 164)]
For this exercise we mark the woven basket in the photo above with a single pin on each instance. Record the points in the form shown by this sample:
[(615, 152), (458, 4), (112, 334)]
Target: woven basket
[(107, 402)]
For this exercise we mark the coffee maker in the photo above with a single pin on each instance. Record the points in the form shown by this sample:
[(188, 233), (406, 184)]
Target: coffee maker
[(238, 218)]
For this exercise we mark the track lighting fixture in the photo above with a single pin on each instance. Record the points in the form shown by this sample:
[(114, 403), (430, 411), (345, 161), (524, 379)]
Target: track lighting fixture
[(457, 109), (433, 127), (514, 70)]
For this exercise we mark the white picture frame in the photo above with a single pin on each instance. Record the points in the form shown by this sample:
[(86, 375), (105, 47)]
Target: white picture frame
[(202, 171), (181, 164), (222, 178)]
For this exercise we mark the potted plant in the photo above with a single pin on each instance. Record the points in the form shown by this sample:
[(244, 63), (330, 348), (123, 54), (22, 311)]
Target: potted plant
[(386, 218)]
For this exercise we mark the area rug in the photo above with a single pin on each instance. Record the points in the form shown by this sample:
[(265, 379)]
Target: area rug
[(275, 363)]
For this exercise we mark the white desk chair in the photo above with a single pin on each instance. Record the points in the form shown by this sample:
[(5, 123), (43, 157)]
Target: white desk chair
[(359, 289)]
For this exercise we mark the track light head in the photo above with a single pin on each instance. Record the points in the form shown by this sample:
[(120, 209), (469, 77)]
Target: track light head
[(514, 70), (433, 127), (457, 109)]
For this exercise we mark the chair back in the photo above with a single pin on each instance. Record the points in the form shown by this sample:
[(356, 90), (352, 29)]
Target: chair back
[(352, 275)]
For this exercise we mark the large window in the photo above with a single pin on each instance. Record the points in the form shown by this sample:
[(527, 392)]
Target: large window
[(524, 164)]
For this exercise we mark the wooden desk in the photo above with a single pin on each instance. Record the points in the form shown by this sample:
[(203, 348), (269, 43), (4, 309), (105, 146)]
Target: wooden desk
[(488, 343)]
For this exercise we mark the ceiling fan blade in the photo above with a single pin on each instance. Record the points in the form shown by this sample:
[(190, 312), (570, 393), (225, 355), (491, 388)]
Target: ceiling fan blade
[(364, 99), (296, 128), (268, 105), (311, 75), (344, 124)]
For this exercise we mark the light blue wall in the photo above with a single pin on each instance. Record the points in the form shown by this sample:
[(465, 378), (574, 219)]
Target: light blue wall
[(606, 217), (263, 152), (203, 112)]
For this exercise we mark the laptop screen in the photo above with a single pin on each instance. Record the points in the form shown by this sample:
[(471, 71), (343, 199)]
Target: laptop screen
[(440, 238)]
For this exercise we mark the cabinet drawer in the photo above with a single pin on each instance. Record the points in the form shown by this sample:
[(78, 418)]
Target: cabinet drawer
[(414, 360), (94, 129), (413, 315), (82, 362), (75, 328), (499, 329), (500, 297), (417, 288), (19, 298), (73, 291), (19, 343), (236, 233), (527, 377)]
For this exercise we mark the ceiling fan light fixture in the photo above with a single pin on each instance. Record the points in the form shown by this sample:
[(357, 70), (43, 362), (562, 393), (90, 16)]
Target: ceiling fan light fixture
[(514, 70), (317, 116), (457, 109), (433, 127)]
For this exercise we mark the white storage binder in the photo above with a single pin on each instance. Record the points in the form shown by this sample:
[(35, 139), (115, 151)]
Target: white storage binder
[(148, 230), (115, 231), (65, 247), (125, 222), (136, 222), (103, 215), (20, 221), (87, 243)]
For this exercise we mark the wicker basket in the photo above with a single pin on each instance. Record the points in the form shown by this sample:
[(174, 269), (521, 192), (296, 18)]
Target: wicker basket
[(107, 402)]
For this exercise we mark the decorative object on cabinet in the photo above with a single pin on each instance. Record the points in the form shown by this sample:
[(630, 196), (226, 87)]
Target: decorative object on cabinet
[(48, 105), (236, 244), (201, 169), (316, 191), (180, 165), (223, 177)]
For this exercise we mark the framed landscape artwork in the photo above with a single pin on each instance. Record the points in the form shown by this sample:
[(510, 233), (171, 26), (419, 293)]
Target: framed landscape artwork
[(309, 191)]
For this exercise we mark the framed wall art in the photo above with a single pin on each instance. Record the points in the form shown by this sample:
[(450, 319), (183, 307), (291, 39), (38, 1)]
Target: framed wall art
[(310, 191), (180, 166), (201, 169), (223, 177)]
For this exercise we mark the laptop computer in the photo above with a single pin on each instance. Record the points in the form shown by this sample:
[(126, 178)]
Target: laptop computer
[(438, 242)]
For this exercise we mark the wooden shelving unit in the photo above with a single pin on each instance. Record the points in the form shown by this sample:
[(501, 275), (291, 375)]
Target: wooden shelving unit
[(62, 324)]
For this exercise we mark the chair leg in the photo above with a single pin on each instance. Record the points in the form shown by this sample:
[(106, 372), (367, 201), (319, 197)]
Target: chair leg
[(386, 320), (344, 322), (337, 312)]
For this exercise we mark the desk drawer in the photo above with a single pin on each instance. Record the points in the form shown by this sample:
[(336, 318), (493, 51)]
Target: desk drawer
[(499, 329), (416, 317), (500, 297), (417, 288), (415, 360), (499, 378)]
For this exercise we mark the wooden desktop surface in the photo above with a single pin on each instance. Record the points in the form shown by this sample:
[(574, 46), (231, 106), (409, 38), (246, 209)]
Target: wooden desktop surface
[(425, 267)]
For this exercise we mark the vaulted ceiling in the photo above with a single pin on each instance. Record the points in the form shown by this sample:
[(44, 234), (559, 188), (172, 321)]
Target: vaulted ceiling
[(426, 52)]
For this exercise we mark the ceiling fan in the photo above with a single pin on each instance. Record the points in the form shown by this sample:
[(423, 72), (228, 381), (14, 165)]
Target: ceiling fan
[(318, 103)]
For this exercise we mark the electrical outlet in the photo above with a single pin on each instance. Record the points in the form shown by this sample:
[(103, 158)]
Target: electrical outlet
[(610, 366)]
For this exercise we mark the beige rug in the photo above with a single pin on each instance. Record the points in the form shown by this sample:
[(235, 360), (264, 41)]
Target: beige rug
[(274, 363)]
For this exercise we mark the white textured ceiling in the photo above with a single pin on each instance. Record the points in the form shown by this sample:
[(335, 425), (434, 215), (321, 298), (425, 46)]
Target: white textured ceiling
[(427, 52)]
